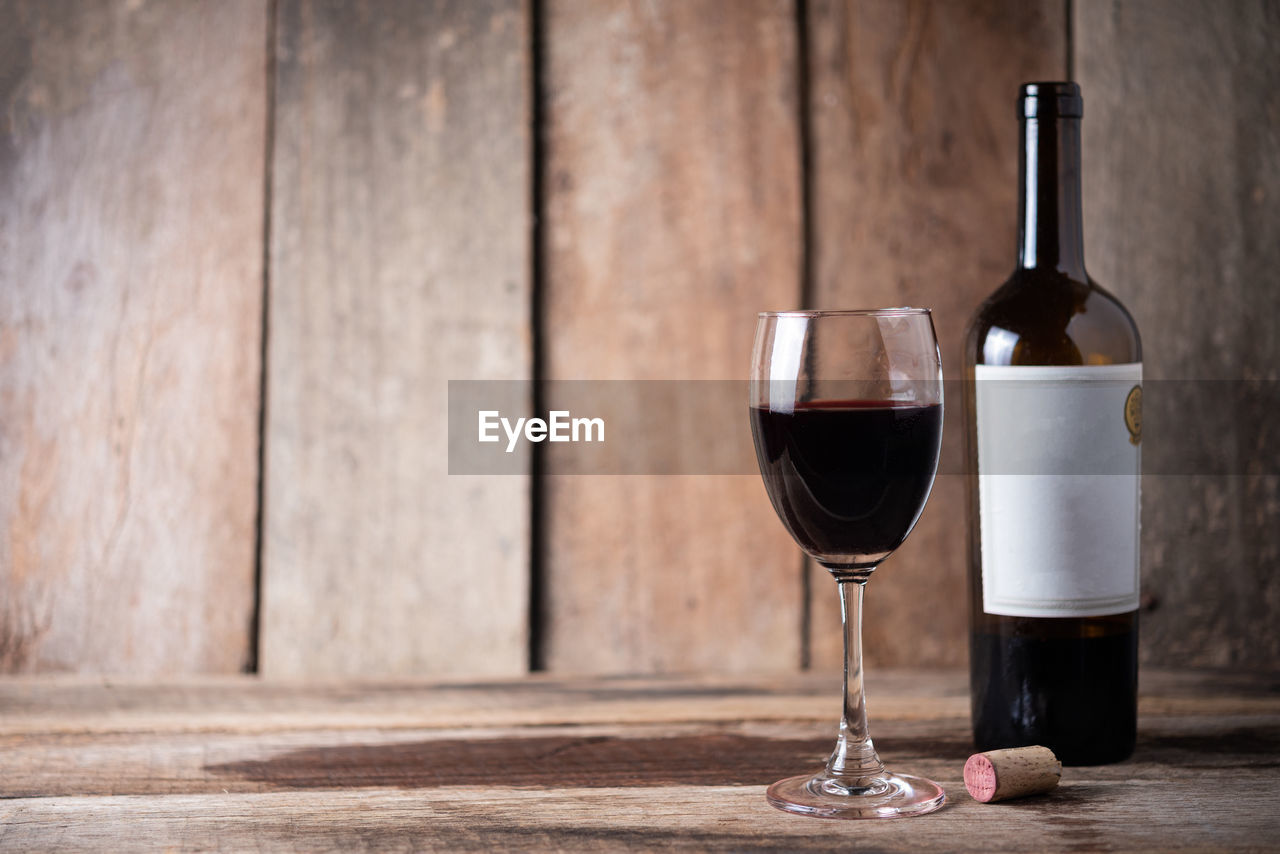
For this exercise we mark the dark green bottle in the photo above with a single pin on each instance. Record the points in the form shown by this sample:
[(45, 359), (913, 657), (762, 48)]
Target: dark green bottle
[(1053, 429)]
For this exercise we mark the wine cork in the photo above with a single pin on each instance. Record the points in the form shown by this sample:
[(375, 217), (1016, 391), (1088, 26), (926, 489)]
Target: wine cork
[(998, 775)]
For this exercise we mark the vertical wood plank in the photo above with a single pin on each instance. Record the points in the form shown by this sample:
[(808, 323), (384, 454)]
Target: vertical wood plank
[(1182, 209), (131, 168), (673, 216), (914, 179), (400, 256)]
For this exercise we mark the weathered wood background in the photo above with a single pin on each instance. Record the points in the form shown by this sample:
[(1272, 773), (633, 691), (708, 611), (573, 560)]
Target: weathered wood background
[(131, 226), (244, 245), (399, 259)]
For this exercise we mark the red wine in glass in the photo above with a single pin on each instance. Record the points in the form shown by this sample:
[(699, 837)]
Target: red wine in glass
[(846, 413), (848, 476)]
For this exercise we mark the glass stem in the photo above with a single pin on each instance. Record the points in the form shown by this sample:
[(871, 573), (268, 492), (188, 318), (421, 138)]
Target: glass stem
[(854, 762)]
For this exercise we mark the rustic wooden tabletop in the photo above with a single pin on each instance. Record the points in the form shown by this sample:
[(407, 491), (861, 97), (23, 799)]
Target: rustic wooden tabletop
[(593, 763)]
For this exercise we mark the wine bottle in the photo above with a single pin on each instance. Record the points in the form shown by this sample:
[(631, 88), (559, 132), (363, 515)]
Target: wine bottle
[(1053, 428)]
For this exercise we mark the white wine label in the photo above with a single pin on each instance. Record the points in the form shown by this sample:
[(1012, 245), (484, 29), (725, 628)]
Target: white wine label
[(1059, 456)]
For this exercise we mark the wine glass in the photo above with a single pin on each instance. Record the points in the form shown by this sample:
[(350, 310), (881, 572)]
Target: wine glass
[(846, 413)]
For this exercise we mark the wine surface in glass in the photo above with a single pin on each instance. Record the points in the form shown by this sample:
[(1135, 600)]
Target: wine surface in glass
[(848, 476)]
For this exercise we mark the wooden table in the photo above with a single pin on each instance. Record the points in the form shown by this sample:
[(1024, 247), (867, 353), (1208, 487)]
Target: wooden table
[(594, 763)]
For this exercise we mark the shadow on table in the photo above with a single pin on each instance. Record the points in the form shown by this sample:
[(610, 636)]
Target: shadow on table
[(557, 761), (1245, 745), (720, 759)]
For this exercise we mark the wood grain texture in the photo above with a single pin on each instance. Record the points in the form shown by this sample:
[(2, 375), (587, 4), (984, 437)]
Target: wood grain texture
[(1182, 209), (914, 202), (352, 772), (673, 215), (74, 706), (131, 230), (400, 257), (1116, 816)]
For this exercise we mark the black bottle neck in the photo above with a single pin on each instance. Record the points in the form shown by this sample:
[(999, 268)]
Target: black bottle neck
[(1050, 232)]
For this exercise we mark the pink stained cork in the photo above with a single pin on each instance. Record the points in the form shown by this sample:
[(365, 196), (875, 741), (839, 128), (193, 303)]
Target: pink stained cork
[(999, 775)]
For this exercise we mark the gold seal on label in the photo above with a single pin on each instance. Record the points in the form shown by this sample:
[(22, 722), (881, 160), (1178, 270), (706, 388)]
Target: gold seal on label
[(1133, 414)]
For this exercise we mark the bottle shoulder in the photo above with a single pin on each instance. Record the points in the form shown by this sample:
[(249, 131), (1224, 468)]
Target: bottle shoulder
[(1040, 317)]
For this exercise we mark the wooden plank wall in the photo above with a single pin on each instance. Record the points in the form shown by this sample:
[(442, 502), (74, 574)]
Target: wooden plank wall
[(1182, 213), (673, 215), (400, 259), (424, 179), (131, 223)]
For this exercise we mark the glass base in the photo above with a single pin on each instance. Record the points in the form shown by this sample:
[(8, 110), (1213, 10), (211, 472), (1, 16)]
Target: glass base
[(889, 796)]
